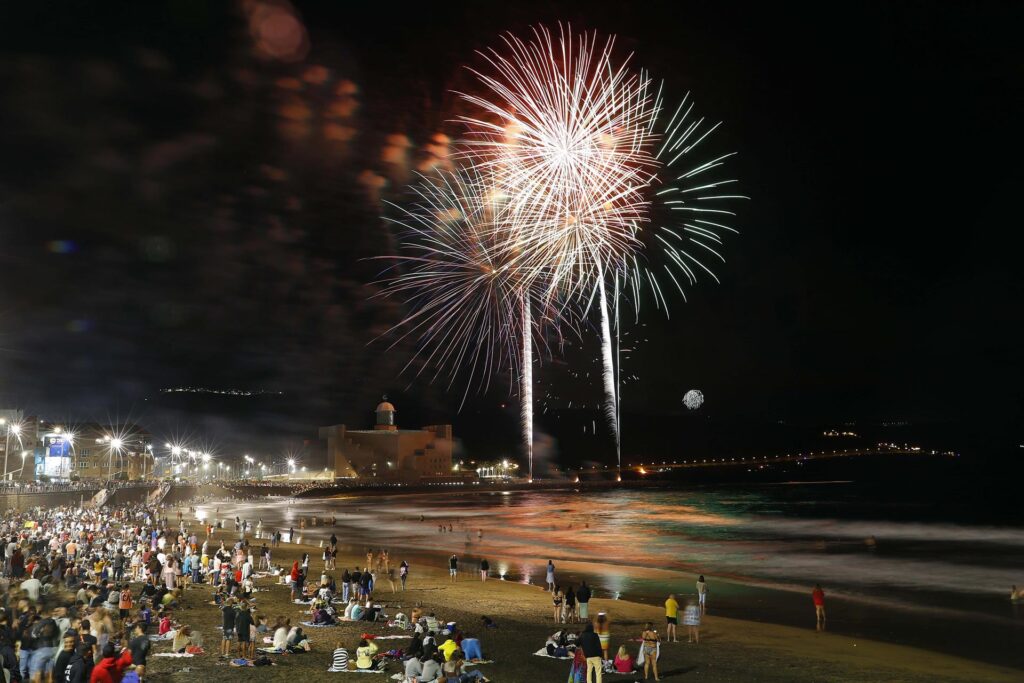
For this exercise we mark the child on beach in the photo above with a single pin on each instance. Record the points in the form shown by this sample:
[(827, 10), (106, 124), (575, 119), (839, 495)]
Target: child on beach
[(818, 596)]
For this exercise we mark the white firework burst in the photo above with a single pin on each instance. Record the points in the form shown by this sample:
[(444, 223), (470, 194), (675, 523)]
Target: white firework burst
[(693, 399)]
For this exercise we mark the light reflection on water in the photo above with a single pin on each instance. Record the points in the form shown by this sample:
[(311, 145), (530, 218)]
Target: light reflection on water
[(645, 544)]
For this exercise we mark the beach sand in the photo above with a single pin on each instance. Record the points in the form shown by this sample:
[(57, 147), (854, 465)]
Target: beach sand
[(730, 649)]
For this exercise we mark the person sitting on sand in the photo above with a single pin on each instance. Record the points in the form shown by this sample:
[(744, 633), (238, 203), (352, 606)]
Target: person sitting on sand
[(281, 633), (448, 648), (364, 654), (340, 660), (431, 670), (182, 639), (415, 648), (322, 616), (297, 642), (431, 623), (623, 661), (453, 670), (471, 648), (429, 645), (413, 669)]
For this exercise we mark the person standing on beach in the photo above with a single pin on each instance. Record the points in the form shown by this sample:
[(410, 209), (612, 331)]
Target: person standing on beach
[(818, 596), (453, 568), (485, 569), (570, 606), (556, 602), (702, 593), (691, 617), (671, 618), (650, 649), (603, 628), (550, 579), (583, 598), (403, 572), (593, 649)]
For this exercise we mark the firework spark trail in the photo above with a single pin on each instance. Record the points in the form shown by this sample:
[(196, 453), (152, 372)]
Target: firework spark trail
[(611, 401), (526, 379)]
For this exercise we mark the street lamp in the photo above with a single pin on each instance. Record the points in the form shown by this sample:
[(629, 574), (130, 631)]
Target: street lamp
[(115, 445), (12, 428)]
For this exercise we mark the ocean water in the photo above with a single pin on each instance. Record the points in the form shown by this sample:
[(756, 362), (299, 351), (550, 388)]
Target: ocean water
[(922, 579)]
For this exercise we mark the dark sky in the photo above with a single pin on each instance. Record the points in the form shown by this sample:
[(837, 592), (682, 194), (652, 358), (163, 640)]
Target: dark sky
[(180, 206)]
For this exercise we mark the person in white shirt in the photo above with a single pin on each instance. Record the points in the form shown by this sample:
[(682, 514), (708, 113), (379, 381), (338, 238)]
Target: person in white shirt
[(32, 587), (413, 669), (431, 670)]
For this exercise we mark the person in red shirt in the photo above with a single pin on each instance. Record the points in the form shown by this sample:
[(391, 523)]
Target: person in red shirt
[(111, 668), (818, 596)]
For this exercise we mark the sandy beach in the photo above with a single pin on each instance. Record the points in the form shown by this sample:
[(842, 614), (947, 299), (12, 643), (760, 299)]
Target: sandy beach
[(730, 649)]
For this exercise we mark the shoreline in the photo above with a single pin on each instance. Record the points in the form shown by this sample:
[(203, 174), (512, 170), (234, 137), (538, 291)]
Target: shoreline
[(518, 540), (528, 607)]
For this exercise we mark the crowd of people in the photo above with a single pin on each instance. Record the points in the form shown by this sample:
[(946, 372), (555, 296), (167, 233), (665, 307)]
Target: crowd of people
[(86, 593), (68, 613)]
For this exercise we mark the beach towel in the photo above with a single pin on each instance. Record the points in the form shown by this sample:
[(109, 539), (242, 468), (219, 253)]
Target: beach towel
[(173, 654), (310, 624), (157, 638), (270, 651), (543, 652), (640, 655), (481, 661)]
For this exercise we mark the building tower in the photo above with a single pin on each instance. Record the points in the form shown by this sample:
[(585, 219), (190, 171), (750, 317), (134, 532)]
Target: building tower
[(385, 416)]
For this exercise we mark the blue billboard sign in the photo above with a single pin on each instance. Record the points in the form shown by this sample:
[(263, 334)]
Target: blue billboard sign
[(58, 447)]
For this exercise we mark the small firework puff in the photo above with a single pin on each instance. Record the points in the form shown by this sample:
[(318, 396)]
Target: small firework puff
[(693, 399)]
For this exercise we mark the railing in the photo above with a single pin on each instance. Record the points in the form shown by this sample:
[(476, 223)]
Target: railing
[(158, 495)]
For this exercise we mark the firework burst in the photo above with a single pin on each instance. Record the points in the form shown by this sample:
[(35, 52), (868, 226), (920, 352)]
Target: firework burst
[(567, 134), (692, 209)]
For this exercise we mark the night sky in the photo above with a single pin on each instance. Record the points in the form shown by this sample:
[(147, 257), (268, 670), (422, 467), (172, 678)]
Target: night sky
[(182, 204)]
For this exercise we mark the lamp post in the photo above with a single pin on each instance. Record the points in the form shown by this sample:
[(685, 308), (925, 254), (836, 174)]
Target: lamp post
[(115, 445), (11, 429)]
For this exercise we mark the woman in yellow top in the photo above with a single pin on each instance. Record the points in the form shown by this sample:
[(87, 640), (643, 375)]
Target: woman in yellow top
[(671, 618), (364, 654)]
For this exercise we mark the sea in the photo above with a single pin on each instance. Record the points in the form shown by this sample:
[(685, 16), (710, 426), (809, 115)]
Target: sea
[(905, 568)]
